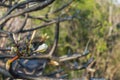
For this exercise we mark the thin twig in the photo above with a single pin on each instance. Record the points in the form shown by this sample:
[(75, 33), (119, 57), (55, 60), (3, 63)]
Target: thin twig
[(56, 39), (48, 23), (23, 24), (34, 8), (62, 7)]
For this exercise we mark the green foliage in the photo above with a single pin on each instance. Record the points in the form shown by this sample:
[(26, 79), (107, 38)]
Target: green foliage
[(101, 45), (91, 23), (85, 4)]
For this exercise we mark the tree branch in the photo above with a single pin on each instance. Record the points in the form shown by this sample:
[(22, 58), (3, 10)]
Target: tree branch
[(56, 39), (34, 8), (23, 24), (49, 23), (62, 7)]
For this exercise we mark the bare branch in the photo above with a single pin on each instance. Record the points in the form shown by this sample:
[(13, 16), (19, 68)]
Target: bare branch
[(22, 76), (49, 23), (1, 49), (14, 7), (34, 8), (11, 35), (39, 18), (4, 5), (5, 72), (56, 39), (23, 24), (62, 7), (74, 56)]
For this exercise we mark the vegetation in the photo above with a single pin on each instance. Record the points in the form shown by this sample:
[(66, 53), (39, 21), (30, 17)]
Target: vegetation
[(79, 25)]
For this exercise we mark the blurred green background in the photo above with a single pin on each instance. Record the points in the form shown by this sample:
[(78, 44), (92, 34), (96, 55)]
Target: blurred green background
[(97, 21)]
